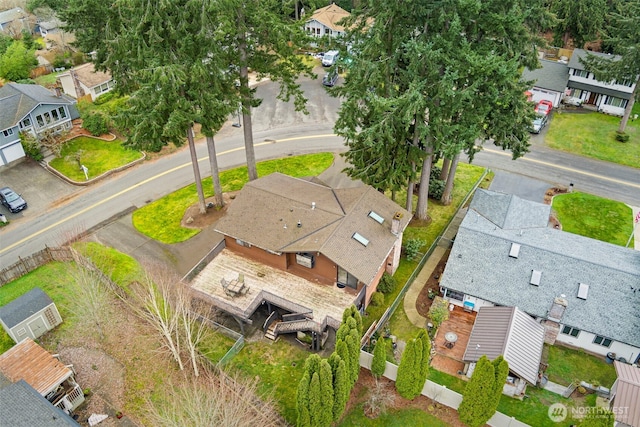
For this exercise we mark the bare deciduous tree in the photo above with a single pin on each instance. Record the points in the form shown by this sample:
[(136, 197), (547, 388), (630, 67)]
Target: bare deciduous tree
[(92, 298)]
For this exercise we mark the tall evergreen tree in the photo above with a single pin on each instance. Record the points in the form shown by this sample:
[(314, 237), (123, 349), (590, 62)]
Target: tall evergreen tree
[(501, 371), (478, 403), (379, 362), (406, 374), (328, 394), (578, 20), (302, 401), (422, 367), (341, 389)]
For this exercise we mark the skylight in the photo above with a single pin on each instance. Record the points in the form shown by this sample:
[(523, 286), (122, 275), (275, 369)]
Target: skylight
[(376, 217), (583, 291), (515, 250), (360, 239), (535, 277)]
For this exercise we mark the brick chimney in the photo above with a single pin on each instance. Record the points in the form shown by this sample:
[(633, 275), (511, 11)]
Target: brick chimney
[(76, 84), (554, 317), (393, 260), (395, 223)]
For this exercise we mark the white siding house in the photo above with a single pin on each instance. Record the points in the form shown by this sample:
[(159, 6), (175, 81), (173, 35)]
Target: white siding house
[(325, 21), (85, 80)]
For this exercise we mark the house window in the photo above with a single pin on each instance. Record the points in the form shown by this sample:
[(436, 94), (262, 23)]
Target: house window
[(63, 113), (327, 31), (25, 123), (577, 93), (346, 279), (580, 73), (7, 132), (47, 118), (454, 295), (616, 102), (568, 330), (627, 83), (21, 331), (39, 120), (54, 114), (243, 243), (605, 342)]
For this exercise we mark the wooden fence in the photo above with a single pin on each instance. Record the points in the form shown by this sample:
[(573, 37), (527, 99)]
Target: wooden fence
[(30, 263)]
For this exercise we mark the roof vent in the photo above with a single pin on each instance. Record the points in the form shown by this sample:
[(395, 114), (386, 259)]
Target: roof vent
[(376, 217), (583, 291), (360, 239), (535, 277), (515, 250)]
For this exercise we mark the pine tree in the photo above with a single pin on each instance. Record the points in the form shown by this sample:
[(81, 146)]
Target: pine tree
[(326, 388), (302, 402), (501, 370), (354, 358), (379, 362), (423, 365), (315, 401), (342, 350), (406, 374), (478, 402), (341, 389)]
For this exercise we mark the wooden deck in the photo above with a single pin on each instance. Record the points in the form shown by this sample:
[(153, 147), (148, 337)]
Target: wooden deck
[(447, 359)]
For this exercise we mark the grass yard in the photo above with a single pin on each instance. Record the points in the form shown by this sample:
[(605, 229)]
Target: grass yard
[(397, 418), (48, 80), (161, 219), (593, 135), (568, 365), (97, 155), (534, 410), (594, 217)]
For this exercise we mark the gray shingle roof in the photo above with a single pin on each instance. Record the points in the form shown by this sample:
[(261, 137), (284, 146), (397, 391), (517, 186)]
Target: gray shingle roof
[(479, 265), (18, 100), (552, 75), (11, 15), (24, 306), (22, 406), (510, 212), (578, 54), (260, 211), (509, 332)]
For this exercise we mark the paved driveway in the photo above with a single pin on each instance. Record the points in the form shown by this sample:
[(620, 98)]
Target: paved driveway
[(519, 185)]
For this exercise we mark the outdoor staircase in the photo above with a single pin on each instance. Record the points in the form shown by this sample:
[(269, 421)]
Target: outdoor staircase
[(271, 331)]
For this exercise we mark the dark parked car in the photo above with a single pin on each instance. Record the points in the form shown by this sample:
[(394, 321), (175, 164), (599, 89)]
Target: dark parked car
[(330, 78), (539, 123), (13, 201)]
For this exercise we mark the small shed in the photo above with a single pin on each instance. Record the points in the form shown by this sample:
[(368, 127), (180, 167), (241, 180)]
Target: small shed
[(30, 315)]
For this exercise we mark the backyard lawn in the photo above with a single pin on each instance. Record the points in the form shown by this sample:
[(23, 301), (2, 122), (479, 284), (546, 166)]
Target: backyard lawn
[(593, 135), (567, 365), (594, 217), (97, 155)]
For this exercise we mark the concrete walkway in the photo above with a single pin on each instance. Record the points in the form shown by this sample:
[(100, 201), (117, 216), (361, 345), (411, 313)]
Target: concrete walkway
[(555, 388)]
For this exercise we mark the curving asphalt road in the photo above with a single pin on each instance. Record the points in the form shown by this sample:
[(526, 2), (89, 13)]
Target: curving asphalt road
[(58, 210)]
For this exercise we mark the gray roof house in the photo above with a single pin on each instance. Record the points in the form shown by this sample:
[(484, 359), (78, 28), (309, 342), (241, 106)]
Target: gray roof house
[(30, 315), (511, 333), (22, 406), (13, 21), (33, 109), (550, 81), (585, 292), (608, 97)]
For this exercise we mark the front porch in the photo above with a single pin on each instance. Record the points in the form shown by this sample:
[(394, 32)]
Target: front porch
[(448, 355), (322, 305)]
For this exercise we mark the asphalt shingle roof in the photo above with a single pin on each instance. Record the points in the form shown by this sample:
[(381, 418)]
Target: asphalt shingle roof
[(11, 15), (578, 54), (263, 208), (24, 306), (22, 406), (479, 265), (18, 100), (329, 16), (552, 75), (88, 75)]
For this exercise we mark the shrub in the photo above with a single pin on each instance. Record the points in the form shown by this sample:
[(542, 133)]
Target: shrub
[(436, 188), (96, 124), (31, 146), (412, 248), (387, 284), (105, 97), (60, 62), (78, 58), (377, 299), (622, 137), (439, 312)]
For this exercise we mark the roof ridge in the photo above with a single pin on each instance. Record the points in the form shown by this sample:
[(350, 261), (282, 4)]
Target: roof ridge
[(507, 341)]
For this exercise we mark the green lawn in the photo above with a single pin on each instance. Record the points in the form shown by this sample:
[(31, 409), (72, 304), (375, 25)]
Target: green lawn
[(48, 80), (534, 410), (567, 365), (97, 155), (593, 135), (399, 418), (161, 219), (594, 217)]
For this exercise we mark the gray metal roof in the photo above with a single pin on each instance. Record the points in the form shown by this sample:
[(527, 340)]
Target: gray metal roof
[(509, 332), (22, 406), (24, 306), (479, 265), (599, 89), (18, 100), (552, 75), (578, 54), (263, 208)]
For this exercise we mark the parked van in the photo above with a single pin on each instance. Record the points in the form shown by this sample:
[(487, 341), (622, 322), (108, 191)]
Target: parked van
[(330, 58)]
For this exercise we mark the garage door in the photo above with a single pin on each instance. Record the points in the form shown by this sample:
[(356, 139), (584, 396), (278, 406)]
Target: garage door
[(11, 152), (540, 94)]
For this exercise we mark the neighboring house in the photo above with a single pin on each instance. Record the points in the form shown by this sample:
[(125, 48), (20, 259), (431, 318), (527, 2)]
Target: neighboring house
[(625, 395), (585, 292), (608, 97), (50, 27), (550, 81), (22, 406), (33, 109), (13, 21), (513, 334), (44, 372), (85, 80), (304, 247), (325, 21), (29, 316)]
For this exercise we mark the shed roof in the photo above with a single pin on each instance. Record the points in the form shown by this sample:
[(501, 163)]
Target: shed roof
[(479, 265), (22, 406), (628, 394), (551, 75), (24, 307), (266, 213), (88, 76), (511, 333), (18, 100), (32, 363), (329, 16)]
